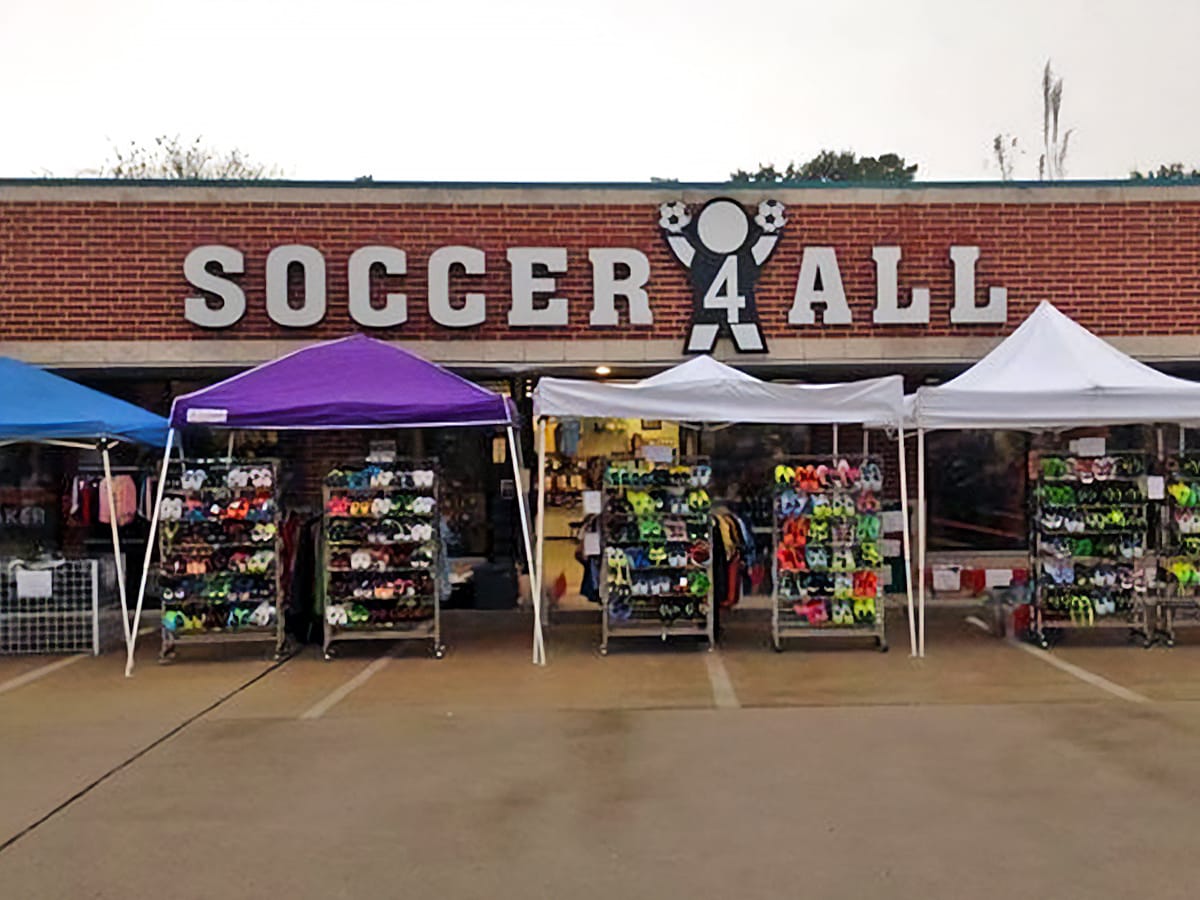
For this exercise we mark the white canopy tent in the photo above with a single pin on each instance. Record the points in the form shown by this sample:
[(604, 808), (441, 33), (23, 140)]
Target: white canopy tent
[(705, 390), (1050, 374)]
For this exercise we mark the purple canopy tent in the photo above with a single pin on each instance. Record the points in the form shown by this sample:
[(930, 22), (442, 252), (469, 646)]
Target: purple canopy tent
[(354, 382)]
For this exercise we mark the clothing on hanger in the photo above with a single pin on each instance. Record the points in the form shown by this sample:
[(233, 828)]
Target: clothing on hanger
[(124, 495)]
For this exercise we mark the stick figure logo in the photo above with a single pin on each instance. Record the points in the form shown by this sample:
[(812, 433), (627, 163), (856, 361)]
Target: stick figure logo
[(723, 250)]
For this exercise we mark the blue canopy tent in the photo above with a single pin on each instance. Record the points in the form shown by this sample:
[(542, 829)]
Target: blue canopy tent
[(37, 406)]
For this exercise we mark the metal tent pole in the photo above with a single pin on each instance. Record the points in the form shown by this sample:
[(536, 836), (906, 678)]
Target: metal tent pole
[(908, 568), (137, 614), (540, 435), (116, 542), (539, 647), (921, 537)]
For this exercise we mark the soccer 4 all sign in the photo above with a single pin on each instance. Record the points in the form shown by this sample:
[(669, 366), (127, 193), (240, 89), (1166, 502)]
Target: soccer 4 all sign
[(723, 250), (722, 246)]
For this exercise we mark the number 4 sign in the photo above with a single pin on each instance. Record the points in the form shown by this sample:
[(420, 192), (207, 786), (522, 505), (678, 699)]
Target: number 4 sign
[(723, 250)]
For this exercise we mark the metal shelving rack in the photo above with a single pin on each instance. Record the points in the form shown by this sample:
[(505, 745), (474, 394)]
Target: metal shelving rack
[(626, 614), (208, 531), (70, 620), (805, 596), (1068, 508), (1178, 604), (369, 551)]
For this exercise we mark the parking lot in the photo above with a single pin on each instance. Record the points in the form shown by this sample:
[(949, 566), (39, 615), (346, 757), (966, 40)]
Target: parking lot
[(984, 770)]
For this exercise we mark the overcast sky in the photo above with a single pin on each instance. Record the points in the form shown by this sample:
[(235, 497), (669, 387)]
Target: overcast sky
[(547, 90)]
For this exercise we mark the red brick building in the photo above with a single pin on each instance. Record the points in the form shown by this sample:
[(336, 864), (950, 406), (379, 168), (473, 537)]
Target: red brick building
[(147, 288)]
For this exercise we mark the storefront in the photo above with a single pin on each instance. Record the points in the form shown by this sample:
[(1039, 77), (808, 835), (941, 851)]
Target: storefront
[(148, 291)]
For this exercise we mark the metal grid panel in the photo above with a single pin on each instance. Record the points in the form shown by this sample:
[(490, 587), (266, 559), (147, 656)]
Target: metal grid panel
[(67, 622)]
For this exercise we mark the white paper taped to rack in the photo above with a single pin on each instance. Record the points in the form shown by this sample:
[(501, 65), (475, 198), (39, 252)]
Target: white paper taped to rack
[(891, 521), (592, 503), (35, 584)]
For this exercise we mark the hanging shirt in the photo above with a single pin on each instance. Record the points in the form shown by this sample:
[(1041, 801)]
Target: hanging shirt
[(566, 437), (124, 496)]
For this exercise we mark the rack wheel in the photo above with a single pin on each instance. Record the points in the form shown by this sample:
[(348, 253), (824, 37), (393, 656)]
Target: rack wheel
[(881, 644), (777, 646), (1168, 641), (604, 651), (439, 651), (330, 654)]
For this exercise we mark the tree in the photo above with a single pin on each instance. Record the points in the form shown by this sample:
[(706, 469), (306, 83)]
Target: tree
[(1172, 172), (1004, 146), (171, 157), (829, 165), (1052, 163)]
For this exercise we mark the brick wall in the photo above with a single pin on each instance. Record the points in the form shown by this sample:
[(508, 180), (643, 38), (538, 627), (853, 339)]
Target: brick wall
[(93, 269)]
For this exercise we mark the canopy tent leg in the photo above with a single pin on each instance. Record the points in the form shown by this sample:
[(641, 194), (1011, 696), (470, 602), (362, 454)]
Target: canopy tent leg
[(154, 516), (835, 442), (908, 567), (539, 646), (229, 448), (540, 438), (116, 541), (921, 526)]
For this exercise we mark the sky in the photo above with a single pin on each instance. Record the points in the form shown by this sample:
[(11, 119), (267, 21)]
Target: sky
[(538, 90)]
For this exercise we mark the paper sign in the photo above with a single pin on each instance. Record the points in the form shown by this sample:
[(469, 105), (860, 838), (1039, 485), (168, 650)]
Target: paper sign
[(997, 578), (889, 547), (1156, 488), (891, 521), (1093, 446), (947, 578), (204, 416), (591, 503), (35, 584), (591, 544), (655, 453)]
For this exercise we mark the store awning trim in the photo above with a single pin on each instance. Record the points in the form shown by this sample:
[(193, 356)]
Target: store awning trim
[(36, 405), (705, 390), (354, 382), (1052, 373)]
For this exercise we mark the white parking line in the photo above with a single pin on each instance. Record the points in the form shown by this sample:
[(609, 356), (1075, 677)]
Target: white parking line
[(724, 696), (336, 696), (41, 672), (1096, 681)]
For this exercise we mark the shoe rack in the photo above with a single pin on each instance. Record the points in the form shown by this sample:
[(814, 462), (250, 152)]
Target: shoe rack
[(828, 562), (382, 553), (1091, 556), (656, 533), (219, 548)]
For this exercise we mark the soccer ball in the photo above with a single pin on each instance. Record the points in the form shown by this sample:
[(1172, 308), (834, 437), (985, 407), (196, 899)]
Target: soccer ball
[(770, 216), (673, 216)]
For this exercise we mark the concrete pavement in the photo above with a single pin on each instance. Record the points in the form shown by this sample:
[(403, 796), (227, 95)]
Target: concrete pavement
[(978, 772)]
